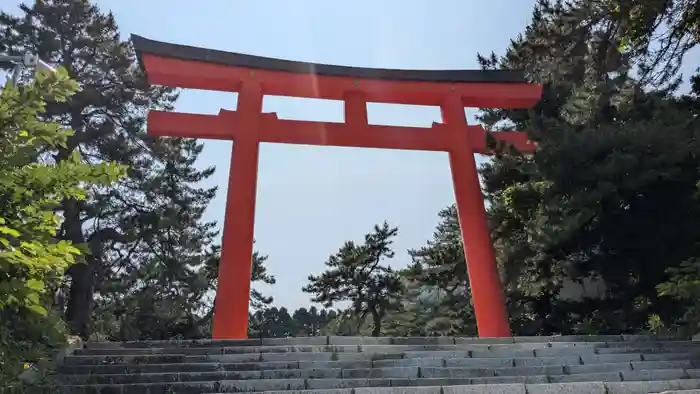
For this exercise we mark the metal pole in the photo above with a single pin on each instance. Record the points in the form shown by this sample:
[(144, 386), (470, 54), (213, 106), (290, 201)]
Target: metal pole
[(10, 59), (16, 62), (15, 74), (19, 62)]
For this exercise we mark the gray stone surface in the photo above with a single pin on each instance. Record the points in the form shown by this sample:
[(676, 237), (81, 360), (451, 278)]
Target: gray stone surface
[(399, 390), (397, 372), (262, 385), (567, 388), (610, 358), (409, 362), (429, 372), (535, 370), (588, 377), (511, 379), (352, 365), (292, 341), (540, 339), (655, 374), (479, 363), (486, 389), (468, 340), (640, 387), (357, 364), (358, 341), (687, 355), (319, 373), (423, 341), (682, 392), (684, 364), (333, 391), (688, 384), (596, 368), (532, 361), (564, 351), (324, 384)]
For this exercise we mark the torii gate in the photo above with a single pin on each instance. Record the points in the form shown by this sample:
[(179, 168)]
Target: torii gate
[(253, 76)]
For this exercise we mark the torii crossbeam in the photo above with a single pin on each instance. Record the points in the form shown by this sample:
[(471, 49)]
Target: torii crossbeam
[(253, 76)]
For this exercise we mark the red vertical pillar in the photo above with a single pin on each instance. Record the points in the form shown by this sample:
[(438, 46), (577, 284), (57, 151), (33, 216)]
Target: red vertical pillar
[(355, 108), (487, 293), (233, 292)]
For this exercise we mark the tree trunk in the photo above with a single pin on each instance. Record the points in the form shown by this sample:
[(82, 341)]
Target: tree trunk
[(81, 289), (376, 323), (360, 321), (79, 307), (80, 299)]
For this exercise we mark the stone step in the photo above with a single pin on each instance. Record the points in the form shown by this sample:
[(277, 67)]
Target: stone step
[(523, 347), (601, 385), (683, 348), (301, 370), (618, 364), (339, 340), (682, 368), (387, 359), (526, 347), (495, 350)]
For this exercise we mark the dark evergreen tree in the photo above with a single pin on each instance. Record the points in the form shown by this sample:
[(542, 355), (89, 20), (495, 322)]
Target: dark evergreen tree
[(438, 301), (346, 322), (259, 273), (276, 322), (160, 290), (356, 274), (609, 196), (108, 118), (658, 33), (151, 257), (271, 322), (309, 322)]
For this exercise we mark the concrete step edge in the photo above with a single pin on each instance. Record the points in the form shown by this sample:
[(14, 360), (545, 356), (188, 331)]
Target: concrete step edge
[(680, 392), (340, 340), (506, 371), (554, 346), (624, 375), (317, 357), (592, 387)]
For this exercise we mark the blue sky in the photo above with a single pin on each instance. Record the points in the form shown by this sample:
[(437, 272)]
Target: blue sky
[(312, 199)]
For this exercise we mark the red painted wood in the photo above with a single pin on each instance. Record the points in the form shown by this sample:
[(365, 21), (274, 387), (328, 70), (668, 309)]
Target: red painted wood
[(235, 265), (487, 294), (207, 76), (302, 132), (248, 127)]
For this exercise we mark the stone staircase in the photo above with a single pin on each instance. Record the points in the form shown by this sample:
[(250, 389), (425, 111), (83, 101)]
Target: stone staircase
[(361, 365)]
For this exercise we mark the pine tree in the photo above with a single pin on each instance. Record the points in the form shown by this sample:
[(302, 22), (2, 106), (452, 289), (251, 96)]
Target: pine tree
[(271, 322), (658, 33), (439, 301), (608, 196), (348, 323), (149, 248), (356, 274), (259, 273), (309, 322), (160, 290)]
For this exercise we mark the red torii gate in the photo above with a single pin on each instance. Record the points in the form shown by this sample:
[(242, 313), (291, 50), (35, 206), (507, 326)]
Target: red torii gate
[(253, 76)]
